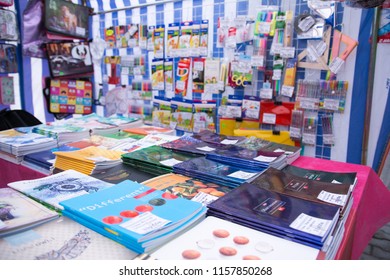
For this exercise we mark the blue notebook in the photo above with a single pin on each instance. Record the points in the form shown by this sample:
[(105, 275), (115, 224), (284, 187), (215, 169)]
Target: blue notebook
[(262, 209), (133, 212)]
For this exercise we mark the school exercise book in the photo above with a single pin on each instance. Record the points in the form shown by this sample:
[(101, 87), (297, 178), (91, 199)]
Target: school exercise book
[(133, 214), (19, 212), (323, 176), (282, 182), (52, 189), (301, 220)]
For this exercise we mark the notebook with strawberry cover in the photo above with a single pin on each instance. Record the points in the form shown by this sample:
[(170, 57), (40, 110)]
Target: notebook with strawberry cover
[(134, 215)]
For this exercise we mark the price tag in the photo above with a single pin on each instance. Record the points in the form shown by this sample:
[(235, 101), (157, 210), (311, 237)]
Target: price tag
[(170, 162), (180, 85), (309, 139), (198, 65), (80, 31), (336, 64), (242, 175), (287, 91), (312, 53), (204, 198), (206, 149), (331, 104), (125, 70), (257, 61), (229, 142), (306, 23), (277, 74), (295, 132), (145, 223), (266, 93), (334, 198), (265, 159), (269, 118), (264, 27), (311, 224), (287, 52)]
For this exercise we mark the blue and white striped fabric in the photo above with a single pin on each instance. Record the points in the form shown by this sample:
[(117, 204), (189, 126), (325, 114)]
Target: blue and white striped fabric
[(348, 126)]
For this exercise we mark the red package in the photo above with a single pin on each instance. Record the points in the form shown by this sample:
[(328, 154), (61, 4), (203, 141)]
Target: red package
[(276, 112)]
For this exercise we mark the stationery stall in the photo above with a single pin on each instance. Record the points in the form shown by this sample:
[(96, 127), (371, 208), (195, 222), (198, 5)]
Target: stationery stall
[(191, 104)]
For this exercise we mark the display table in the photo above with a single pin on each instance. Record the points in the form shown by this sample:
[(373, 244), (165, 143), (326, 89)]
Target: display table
[(371, 204), (370, 210)]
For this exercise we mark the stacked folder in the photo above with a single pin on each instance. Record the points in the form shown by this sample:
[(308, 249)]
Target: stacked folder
[(241, 157), (303, 221), (155, 159), (89, 160), (214, 172), (189, 144), (17, 144)]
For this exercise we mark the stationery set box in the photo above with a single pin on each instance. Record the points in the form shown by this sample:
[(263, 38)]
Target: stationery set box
[(303, 221), (218, 239), (19, 213), (134, 215), (62, 239)]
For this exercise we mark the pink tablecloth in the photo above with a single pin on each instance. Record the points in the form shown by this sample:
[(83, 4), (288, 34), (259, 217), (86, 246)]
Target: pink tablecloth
[(371, 206), (370, 210), (10, 172)]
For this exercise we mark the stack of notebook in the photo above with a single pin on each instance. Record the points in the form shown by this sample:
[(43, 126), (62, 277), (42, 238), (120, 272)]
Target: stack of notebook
[(215, 172), (187, 187), (62, 132), (19, 213), (88, 160), (53, 189), (254, 143), (318, 191), (218, 139), (303, 221), (189, 144), (241, 157), (15, 144), (134, 215), (155, 159)]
